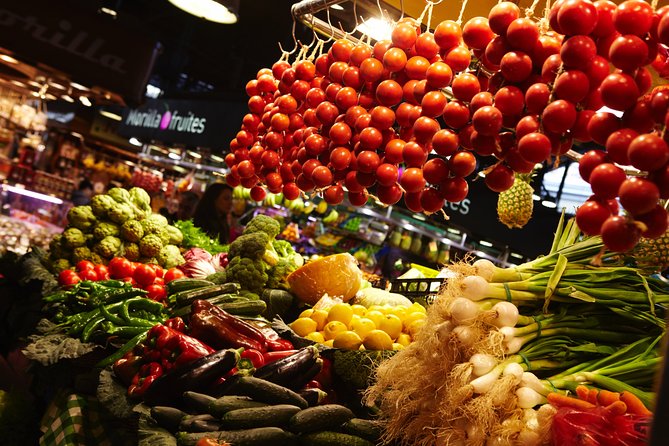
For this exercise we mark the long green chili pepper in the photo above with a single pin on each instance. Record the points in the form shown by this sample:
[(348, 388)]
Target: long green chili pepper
[(134, 321), (126, 331), (91, 326), (110, 316), (123, 350)]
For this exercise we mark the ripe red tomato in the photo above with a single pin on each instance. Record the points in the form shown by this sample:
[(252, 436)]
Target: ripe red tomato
[(68, 278), (605, 180), (617, 145), (500, 178), (358, 198), (628, 52), (322, 176), (577, 17), (589, 161), (120, 267), (465, 86), (334, 194), (476, 33), (144, 275), (454, 189), (601, 125), (633, 17), (527, 124), (291, 191), (462, 164), (656, 222), (172, 274), (577, 52), (534, 147), (83, 265), (501, 15), (89, 274), (438, 75), (156, 292), (447, 34), (258, 193), (559, 116), (648, 152), (591, 215), (404, 35), (620, 234), (426, 45), (638, 195), (456, 114), (389, 194), (102, 272), (572, 85), (523, 34), (431, 200), (389, 93), (487, 120), (510, 100), (516, 66), (458, 58)]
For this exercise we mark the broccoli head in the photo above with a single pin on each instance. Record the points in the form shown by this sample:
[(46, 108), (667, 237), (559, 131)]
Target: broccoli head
[(81, 253), (170, 256), (248, 273), (109, 246), (101, 204), (150, 245), (131, 251), (176, 237), (104, 229), (132, 231), (280, 272), (60, 265), (81, 217), (120, 213), (142, 200), (73, 237), (255, 246), (263, 223)]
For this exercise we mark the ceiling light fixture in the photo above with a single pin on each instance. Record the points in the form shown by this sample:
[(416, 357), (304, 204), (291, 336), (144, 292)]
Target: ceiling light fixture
[(135, 142), (57, 85), (8, 59), (377, 29), (219, 11), (67, 98), (485, 243), (84, 100), (194, 154), (110, 115), (337, 6), (174, 156), (78, 86), (549, 204), (31, 194), (17, 83)]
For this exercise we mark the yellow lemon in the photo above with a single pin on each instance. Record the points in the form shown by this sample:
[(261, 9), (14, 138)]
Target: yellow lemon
[(417, 307), (329, 343), (397, 346), (303, 326), (306, 313), (354, 319), (375, 308), (415, 327), (316, 336), (400, 311), (363, 326), (378, 340), (321, 318), (392, 325), (411, 317), (341, 312), (358, 309), (376, 316), (404, 339), (333, 328), (348, 340)]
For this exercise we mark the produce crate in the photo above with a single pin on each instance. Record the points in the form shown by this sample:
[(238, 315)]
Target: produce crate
[(422, 290)]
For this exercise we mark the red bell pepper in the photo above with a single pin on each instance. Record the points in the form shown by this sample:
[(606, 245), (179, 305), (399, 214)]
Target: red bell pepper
[(176, 323), (256, 357), (147, 374), (185, 349), (127, 367), (277, 345)]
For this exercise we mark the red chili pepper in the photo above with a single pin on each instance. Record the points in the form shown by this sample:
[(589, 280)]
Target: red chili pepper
[(277, 345), (270, 357), (255, 356), (176, 323)]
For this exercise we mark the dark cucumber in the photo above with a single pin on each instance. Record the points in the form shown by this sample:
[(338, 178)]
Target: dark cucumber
[(266, 392), (185, 284), (167, 417), (320, 418), (368, 429), (195, 376), (221, 406), (285, 370), (199, 423), (277, 416), (262, 436), (197, 402), (332, 439), (245, 308)]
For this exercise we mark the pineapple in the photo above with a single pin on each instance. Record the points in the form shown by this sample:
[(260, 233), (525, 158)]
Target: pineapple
[(514, 206), (652, 255)]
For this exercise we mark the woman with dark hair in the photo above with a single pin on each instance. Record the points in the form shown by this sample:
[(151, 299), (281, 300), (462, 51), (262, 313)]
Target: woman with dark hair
[(212, 213)]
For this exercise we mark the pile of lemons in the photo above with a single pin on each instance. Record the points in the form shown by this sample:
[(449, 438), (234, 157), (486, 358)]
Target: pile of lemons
[(354, 327)]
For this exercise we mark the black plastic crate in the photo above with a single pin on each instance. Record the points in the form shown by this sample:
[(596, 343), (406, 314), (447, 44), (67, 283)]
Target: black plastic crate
[(423, 291)]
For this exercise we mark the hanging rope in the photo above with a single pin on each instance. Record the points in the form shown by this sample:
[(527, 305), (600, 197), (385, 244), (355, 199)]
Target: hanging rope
[(529, 12), (462, 12), (653, 5), (544, 22)]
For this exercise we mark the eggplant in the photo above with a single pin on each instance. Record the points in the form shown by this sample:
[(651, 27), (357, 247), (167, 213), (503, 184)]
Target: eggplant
[(195, 376), (285, 370), (301, 379)]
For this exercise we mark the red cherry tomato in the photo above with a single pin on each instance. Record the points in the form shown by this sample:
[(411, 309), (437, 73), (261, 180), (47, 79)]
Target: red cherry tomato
[(88, 274), (102, 272), (83, 265), (156, 292), (68, 277), (172, 274), (144, 275), (120, 267)]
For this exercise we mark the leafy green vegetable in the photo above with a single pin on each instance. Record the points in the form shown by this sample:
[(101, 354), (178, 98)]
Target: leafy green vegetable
[(194, 237)]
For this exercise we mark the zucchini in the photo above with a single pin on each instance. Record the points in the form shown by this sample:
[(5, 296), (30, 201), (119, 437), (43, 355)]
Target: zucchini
[(197, 402), (320, 418), (244, 308), (167, 417), (267, 416), (267, 392), (225, 298), (327, 438), (262, 436), (187, 297), (185, 284), (368, 429), (199, 423), (221, 406)]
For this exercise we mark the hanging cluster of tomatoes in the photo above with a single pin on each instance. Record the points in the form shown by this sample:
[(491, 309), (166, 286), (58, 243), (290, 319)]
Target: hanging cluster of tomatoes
[(411, 118)]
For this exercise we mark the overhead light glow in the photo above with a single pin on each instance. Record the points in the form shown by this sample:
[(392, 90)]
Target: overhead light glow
[(207, 9), (453, 231), (174, 156), (109, 11), (50, 97), (216, 158), (84, 100), (485, 243), (152, 91), (536, 197), (549, 204), (57, 85), (516, 255), (110, 115), (35, 84), (194, 154), (135, 142), (337, 7), (78, 86), (8, 59), (32, 194), (17, 83), (377, 29), (67, 98)]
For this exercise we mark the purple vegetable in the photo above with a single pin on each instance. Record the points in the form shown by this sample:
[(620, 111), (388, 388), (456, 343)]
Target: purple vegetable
[(198, 263)]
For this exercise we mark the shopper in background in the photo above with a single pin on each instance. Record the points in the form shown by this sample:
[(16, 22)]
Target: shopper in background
[(83, 194), (187, 204), (213, 213)]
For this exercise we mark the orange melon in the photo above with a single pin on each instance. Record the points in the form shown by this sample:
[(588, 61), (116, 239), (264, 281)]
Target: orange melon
[(337, 275)]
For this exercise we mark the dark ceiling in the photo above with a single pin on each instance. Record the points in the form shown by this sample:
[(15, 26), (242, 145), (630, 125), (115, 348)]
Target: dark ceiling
[(201, 58)]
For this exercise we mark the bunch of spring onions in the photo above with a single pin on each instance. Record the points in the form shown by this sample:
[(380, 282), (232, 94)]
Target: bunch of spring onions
[(499, 340)]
